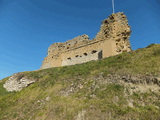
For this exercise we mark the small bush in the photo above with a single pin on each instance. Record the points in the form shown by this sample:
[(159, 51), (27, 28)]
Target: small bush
[(151, 45), (156, 52)]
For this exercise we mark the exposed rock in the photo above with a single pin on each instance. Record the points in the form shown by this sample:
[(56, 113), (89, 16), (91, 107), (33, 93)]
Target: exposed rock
[(17, 82), (134, 79), (133, 82), (149, 80), (81, 115), (48, 98)]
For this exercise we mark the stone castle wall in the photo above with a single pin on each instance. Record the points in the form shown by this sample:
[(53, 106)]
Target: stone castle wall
[(112, 39)]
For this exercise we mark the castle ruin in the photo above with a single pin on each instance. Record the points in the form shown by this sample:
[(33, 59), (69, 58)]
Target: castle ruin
[(112, 39)]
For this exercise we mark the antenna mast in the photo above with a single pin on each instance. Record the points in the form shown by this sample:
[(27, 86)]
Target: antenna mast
[(113, 6)]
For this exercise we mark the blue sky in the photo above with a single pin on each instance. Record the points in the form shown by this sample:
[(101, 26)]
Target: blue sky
[(29, 27)]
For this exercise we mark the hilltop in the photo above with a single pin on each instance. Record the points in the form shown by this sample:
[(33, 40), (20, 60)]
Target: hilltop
[(125, 86)]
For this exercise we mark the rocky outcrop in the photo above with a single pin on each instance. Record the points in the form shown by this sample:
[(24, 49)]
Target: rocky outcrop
[(17, 82), (134, 79), (133, 82)]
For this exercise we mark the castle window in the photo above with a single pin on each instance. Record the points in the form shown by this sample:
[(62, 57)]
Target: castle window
[(76, 55), (85, 54), (94, 51), (69, 58), (67, 47)]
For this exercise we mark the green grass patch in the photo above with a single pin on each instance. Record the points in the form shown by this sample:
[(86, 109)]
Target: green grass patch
[(64, 92)]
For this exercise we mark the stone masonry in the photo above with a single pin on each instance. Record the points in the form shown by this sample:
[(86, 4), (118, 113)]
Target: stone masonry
[(112, 39)]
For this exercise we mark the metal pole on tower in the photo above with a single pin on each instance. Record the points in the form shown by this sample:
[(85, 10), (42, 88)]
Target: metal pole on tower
[(113, 6)]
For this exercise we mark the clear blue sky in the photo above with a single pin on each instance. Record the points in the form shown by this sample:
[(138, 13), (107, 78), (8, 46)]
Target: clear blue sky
[(29, 27)]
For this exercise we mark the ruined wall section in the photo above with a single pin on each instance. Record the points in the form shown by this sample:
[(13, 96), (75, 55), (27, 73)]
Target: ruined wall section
[(55, 51), (112, 39), (83, 53), (82, 57), (116, 29), (57, 48)]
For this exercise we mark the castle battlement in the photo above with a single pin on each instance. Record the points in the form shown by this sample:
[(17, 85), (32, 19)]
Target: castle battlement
[(112, 39)]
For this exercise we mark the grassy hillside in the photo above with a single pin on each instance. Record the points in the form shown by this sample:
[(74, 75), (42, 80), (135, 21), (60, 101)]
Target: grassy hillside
[(89, 91)]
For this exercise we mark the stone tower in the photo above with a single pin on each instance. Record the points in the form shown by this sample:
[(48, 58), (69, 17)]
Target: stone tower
[(112, 39)]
